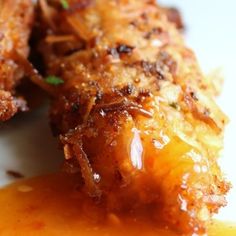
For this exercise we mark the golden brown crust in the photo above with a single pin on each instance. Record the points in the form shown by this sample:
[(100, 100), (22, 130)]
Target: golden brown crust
[(174, 16), (7, 106), (15, 25), (135, 114)]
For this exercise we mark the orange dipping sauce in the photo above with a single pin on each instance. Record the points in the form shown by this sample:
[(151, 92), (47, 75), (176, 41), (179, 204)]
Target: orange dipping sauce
[(52, 205)]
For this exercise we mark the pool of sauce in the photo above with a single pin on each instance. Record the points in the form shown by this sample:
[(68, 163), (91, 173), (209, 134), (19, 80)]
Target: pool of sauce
[(53, 205)]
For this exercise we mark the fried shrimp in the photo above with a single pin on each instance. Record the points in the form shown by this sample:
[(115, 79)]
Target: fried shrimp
[(15, 25), (133, 110)]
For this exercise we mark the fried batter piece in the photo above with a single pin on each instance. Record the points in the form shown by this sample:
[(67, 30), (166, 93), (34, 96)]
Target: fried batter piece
[(15, 23), (133, 111)]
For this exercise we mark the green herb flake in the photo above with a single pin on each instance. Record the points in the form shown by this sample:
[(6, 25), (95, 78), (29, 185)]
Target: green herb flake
[(54, 80), (65, 4)]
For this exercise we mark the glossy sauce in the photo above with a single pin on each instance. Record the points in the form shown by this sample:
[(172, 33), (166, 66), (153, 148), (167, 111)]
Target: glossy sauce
[(52, 205)]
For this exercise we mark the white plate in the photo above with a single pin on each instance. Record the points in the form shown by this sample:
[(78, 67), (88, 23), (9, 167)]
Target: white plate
[(26, 144)]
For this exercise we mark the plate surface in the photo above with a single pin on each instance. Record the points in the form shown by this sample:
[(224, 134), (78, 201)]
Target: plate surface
[(26, 144)]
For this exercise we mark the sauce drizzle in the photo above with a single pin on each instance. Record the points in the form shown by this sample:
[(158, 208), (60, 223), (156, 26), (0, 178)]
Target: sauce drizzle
[(53, 205)]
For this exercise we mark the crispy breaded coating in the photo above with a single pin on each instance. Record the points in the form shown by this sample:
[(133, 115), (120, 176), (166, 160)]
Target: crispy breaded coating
[(134, 112), (16, 18)]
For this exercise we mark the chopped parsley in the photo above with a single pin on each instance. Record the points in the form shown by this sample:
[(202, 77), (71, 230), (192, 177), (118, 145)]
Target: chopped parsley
[(65, 4), (54, 80)]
